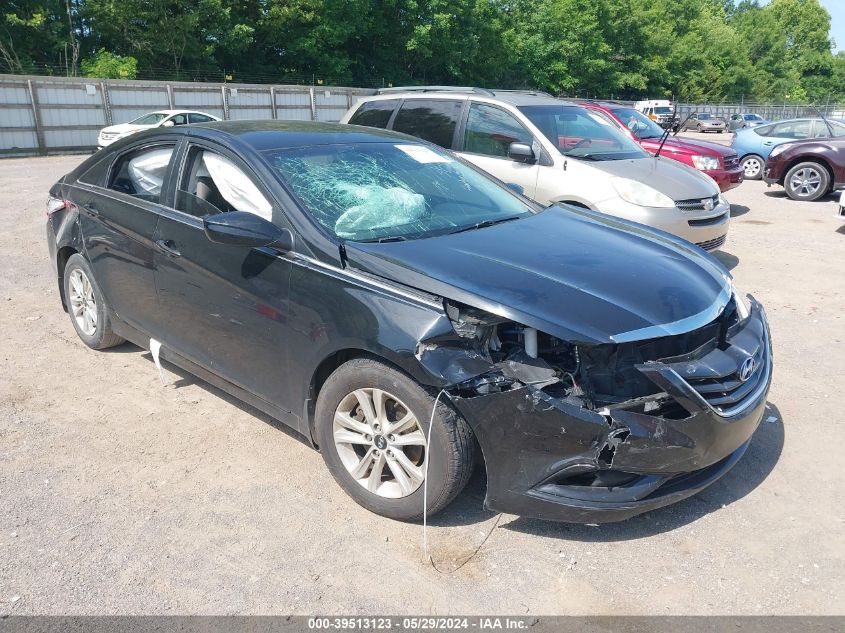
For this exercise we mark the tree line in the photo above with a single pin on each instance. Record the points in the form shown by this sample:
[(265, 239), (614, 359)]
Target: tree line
[(696, 50)]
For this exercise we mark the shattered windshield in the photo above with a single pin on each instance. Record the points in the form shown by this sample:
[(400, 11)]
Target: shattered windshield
[(579, 133), (393, 191), (638, 123)]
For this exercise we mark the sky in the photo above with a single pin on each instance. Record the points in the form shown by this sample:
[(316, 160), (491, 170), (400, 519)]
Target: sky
[(836, 8)]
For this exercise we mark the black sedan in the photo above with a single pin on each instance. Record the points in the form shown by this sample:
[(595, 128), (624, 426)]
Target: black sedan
[(413, 318)]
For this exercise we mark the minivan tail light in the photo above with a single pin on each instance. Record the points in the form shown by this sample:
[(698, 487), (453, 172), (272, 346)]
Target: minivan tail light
[(55, 204)]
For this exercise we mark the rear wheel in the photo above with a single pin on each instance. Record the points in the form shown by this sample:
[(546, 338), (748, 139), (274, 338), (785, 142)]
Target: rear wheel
[(752, 167), (372, 423), (86, 305), (806, 181)]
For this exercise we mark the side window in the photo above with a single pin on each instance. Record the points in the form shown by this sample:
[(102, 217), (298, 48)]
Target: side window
[(820, 130), (95, 174), (213, 184), (198, 118), (792, 129), (374, 113), (431, 120), (141, 173), (763, 130), (491, 130), (179, 119)]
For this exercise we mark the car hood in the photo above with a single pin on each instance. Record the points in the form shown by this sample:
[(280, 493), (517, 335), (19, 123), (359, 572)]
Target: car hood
[(123, 128), (686, 147), (576, 274), (668, 176)]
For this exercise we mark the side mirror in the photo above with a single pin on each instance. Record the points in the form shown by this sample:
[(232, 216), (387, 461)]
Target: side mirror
[(168, 124), (521, 152), (246, 229)]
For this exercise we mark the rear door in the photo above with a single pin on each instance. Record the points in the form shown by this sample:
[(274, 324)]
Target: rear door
[(433, 120), (118, 222), (487, 134), (226, 306)]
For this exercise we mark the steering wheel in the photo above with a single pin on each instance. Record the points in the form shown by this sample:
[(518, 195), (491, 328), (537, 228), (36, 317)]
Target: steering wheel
[(584, 142)]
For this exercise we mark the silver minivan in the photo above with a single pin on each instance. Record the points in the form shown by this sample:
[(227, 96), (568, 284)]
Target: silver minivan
[(555, 151)]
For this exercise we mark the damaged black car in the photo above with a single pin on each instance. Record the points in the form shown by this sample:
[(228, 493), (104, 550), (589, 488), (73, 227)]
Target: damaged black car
[(414, 319)]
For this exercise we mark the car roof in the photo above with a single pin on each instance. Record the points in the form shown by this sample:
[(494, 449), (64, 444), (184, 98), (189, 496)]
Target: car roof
[(268, 135), (512, 97), (169, 112)]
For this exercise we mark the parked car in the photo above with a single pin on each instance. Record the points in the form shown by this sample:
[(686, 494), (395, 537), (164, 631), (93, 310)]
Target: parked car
[(703, 122), (745, 119), (754, 145), (807, 169), (713, 159), (556, 151), (161, 118), (358, 285), (660, 111)]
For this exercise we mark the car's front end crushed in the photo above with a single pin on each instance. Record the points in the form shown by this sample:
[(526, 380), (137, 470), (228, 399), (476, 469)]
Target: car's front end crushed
[(600, 433)]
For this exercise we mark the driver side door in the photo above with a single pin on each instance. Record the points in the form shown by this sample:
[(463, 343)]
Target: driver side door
[(226, 305), (485, 138)]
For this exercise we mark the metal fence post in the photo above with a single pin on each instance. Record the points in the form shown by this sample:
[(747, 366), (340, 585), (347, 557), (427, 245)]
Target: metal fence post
[(106, 102), (313, 100), (225, 102), (274, 114), (36, 116), (169, 96)]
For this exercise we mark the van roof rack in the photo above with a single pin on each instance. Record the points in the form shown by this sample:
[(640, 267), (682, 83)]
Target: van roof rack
[(472, 89), (534, 93)]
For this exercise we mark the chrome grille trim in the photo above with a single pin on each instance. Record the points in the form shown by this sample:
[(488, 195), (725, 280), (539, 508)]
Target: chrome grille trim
[(696, 204), (709, 245)]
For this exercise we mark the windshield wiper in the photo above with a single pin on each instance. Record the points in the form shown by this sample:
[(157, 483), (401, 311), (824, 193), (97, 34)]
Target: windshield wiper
[(485, 223), (584, 156), (382, 240)]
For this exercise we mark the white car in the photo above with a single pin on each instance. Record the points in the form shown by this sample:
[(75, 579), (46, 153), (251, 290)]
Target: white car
[(160, 118)]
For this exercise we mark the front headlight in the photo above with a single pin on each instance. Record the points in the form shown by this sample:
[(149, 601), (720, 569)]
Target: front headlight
[(639, 194), (705, 162), (777, 149), (743, 305)]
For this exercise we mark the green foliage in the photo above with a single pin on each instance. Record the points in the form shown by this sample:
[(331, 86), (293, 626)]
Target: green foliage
[(107, 65), (692, 49)]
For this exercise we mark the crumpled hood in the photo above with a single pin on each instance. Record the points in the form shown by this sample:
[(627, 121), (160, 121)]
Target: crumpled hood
[(576, 274), (675, 145), (668, 176)]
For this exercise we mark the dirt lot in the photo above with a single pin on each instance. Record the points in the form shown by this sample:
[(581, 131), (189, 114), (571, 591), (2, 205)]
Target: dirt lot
[(120, 495)]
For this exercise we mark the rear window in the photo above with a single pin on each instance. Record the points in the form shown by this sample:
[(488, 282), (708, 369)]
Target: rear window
[(374, 113), (431, 120), (763, 130)]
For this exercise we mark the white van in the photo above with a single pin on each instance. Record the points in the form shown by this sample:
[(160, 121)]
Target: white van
[(660, 110), (555, 151)]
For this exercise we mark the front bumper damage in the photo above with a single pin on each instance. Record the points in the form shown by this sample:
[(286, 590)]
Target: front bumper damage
[(557, 457)]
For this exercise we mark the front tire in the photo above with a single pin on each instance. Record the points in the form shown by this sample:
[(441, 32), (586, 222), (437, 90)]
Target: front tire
[(752, 167), (372, 424), (806, 182), (86, 305)]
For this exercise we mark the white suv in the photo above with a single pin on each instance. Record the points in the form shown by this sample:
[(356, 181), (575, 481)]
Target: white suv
[(555, 151)]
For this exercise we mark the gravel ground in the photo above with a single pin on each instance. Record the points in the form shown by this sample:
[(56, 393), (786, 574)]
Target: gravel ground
[(121, 496)]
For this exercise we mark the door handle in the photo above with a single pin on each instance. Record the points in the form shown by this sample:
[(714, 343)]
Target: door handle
[(767, 143), (168, 247)]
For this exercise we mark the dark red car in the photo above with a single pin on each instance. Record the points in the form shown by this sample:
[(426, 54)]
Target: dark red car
[(807, 169), (717, 161)]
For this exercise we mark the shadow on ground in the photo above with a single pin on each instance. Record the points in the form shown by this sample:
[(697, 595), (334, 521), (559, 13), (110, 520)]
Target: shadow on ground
[(727, 260), (738, 210)]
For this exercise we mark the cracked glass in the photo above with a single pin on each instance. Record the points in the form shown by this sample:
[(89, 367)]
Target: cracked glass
[(393, 191)]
